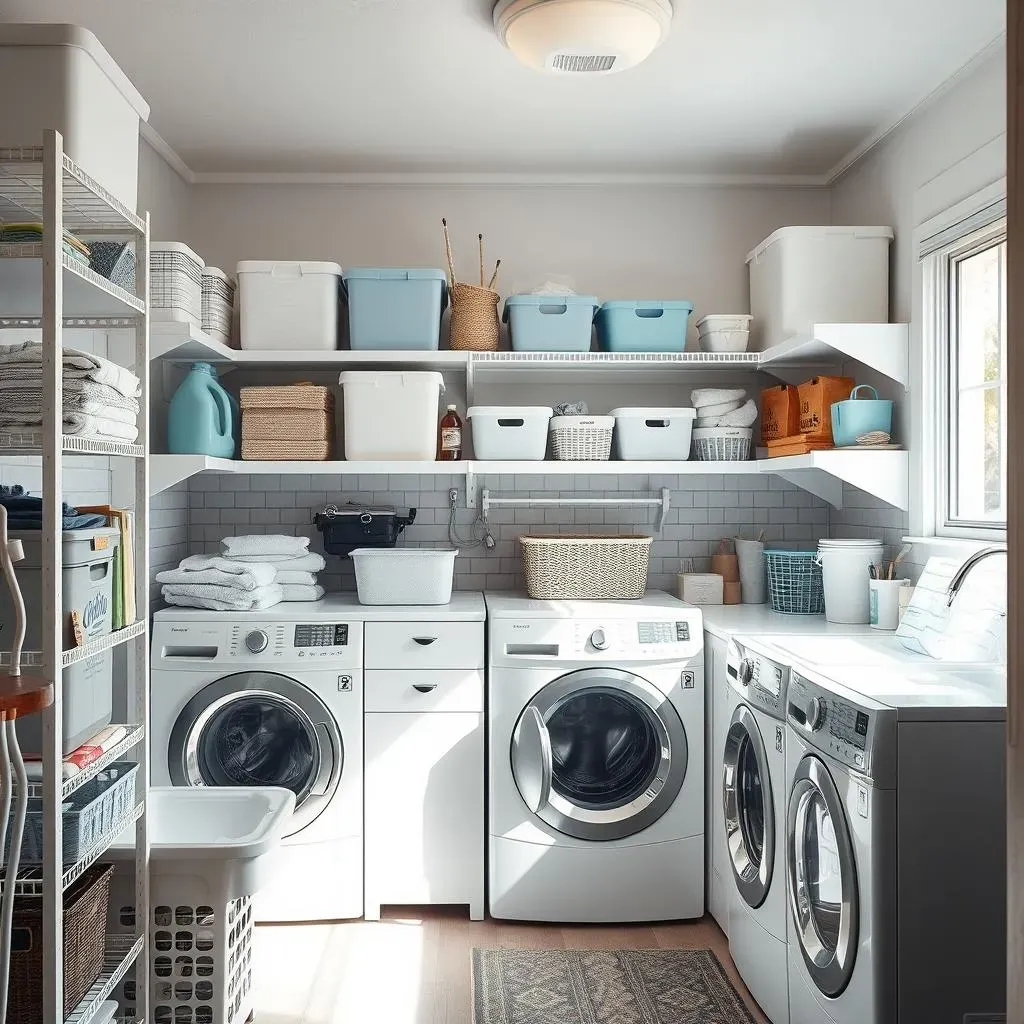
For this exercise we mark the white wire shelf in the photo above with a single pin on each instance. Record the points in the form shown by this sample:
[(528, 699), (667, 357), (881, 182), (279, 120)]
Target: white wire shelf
[(120, 953), (87, 204), (34, 659), (87, 295), (30, 442), (115, 753), (30, 880)]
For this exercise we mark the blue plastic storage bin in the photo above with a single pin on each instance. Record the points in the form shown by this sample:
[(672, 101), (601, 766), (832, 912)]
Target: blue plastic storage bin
[(643, 326), (550, 323), (394, 307)]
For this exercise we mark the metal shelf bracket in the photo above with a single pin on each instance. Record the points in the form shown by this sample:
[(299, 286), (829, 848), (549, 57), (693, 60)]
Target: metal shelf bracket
[(663, 503)]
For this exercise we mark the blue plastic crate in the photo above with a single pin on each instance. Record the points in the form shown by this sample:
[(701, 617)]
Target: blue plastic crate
[(643, 326), (550, 323), (394, 307), (794, 582)]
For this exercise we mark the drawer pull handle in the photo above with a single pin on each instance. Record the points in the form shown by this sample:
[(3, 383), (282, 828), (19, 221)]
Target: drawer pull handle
[(424, 641), (424, 687)]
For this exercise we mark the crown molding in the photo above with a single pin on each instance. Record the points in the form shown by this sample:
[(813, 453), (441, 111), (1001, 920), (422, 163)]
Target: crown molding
[(167, 152), (878, 137)]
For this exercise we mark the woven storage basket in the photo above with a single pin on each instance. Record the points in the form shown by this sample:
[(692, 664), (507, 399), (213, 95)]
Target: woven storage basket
[(218, 303), (286, 424), (85, 930), (300, 451), (474, 320), (175, 283), (565, 568), (295, 421), (721, 444), (289, 396), (581, 438), (794, 582)]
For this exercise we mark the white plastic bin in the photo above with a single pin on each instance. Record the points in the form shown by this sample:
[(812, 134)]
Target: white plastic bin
[(64, 79), (800, 276), (391, 415), (653, 433), (510, 432), (845, 577), (289, 306), (404, 575)]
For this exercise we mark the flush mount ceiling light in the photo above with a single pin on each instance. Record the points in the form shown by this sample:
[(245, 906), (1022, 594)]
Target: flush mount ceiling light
[(582, 36)]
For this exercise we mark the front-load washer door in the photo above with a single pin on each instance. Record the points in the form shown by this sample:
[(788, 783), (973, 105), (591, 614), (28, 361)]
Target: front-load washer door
[(260, 729), (823, 896), (748, 809), (599, 754)]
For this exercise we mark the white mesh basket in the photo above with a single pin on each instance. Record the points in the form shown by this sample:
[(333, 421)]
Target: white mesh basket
[(582, 438), (721, 444), (567, 568), (175, 283), (218, 301)]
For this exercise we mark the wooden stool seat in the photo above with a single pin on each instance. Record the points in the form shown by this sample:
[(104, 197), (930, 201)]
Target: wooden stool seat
[(23, 695)]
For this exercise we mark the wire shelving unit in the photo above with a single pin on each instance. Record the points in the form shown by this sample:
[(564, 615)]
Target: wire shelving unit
[(41, 286)]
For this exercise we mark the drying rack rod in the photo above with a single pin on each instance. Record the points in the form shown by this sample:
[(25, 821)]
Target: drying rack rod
[(663, 502)]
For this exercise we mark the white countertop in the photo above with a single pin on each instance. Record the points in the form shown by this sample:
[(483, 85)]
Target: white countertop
[(512, 605), (727, 620)]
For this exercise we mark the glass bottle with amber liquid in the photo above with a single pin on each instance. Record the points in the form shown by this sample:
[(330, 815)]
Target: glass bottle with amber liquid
[(449, 437)]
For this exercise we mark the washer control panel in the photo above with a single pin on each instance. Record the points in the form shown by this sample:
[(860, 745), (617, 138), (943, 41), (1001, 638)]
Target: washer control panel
[(321, 634), (831, 723), (759, 680), (655, 639)]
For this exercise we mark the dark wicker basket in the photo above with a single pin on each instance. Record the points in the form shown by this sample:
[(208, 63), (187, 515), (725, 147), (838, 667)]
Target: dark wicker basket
[(85, 929)]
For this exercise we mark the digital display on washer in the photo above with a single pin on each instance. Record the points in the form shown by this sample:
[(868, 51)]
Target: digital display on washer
[(848, 724), (663, 632), (321, 634), (769, 678)]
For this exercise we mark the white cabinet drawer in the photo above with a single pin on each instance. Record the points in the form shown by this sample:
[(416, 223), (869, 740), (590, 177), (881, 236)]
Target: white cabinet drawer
[(423, 644), (424, 690)]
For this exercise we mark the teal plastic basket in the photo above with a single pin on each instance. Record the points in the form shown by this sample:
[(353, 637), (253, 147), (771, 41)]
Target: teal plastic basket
[(794, 582)]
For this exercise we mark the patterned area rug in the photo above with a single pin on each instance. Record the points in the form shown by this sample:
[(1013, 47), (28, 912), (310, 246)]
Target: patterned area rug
[(624, 986)]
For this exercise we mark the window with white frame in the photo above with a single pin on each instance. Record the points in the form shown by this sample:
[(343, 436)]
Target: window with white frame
[(965, 269)]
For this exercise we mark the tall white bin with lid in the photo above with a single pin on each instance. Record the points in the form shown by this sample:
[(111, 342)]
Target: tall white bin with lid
[(391, 415), (845, 573), (800, 276), (64, 79), (288, 304)]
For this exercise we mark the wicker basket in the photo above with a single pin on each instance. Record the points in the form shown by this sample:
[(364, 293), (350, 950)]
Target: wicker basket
[(291, 422), (581, 438), (721, 444), (284, 451), (85, 929), (290, 396), (474, 320), (794, 582), (565, 568)]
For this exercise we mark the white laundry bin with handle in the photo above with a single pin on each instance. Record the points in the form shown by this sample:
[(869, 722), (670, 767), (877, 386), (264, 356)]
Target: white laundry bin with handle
[(391, 415), (845, 573), (212, 850)]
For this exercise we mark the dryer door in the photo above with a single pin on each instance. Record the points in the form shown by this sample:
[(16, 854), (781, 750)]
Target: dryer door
[(748, 808), (599, 754), (260, 729), (823, 895)]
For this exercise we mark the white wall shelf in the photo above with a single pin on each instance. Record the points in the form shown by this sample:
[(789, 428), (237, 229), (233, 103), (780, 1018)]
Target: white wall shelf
[(883, 474), (883, 347)]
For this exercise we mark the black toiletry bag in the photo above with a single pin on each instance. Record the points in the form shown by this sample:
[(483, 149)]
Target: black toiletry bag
[(351, 526)]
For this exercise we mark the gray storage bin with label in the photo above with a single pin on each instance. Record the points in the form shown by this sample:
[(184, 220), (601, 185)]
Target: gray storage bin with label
[(88, 575)]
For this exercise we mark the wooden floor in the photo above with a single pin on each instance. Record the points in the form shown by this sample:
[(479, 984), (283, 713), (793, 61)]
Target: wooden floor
[(413, 967)]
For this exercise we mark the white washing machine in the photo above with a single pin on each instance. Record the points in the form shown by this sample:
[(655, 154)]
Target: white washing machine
[(751, 822), (896, 846), (596, 757), (271, 698)]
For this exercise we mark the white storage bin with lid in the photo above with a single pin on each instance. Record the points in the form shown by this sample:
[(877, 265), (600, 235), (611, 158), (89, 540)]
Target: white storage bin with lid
[(404, 576), (510, 432), (288, 305), (800, 276), (64, 79), (845, 573), (391, 415), (653, 433), (175, 284)]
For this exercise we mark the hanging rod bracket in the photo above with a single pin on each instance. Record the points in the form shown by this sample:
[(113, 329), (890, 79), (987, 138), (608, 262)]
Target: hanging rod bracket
[(489, 501)]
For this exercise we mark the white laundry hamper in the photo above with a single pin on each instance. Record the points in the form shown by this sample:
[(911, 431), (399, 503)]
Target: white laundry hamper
[(212, 850), (845, 567)]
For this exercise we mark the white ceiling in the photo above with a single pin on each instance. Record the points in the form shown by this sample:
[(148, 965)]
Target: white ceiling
[(741, 87)]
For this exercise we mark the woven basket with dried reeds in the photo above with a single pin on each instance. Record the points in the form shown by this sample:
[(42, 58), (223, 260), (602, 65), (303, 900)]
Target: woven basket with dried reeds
[(474, 319)]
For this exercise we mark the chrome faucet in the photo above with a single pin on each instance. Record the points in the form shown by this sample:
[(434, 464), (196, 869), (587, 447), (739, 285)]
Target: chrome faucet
[(961, 574)]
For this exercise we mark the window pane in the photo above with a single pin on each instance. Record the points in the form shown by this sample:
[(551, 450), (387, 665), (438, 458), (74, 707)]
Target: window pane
[(982, 462), (978, 302)]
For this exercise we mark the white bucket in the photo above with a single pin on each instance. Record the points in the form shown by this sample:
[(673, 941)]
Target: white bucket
[(845, 575), (753, 585)]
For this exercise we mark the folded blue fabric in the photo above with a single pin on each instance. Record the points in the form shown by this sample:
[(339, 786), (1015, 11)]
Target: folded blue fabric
[(11, 490), (26, 513)]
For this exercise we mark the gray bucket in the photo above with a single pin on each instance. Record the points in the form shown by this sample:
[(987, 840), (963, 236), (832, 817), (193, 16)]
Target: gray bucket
[(87, 585)]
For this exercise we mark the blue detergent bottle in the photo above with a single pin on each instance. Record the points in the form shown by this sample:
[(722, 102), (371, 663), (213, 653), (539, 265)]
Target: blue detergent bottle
[(199, 421)]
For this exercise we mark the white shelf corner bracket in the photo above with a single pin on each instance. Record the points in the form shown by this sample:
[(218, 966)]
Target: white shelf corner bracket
[(488, 501)]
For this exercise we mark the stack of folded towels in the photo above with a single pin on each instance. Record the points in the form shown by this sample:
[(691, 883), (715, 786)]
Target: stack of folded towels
[(251, 573), (100, 398), (26, 513)]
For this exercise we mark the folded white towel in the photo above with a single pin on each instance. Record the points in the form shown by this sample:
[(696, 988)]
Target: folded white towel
[(75, 423), (711, 411), (260, 569), (256, 545), (302, 592), (222, 599), (261, 577), (309, 562), (741, 417), (24, 360), (702, 397), (83, 396), (295, 577)]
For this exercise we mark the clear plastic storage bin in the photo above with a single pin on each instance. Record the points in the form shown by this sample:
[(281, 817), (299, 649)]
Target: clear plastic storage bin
[(510, 432), (653, 433), (391, 415), (288, 305), (643, 326), (404, 575), (550, 323), (394, 307)]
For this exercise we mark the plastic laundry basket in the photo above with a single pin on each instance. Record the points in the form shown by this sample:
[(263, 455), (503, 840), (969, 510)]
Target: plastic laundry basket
[(212, 850)]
